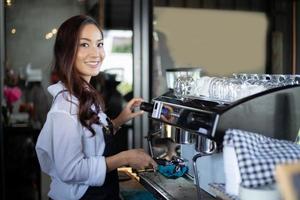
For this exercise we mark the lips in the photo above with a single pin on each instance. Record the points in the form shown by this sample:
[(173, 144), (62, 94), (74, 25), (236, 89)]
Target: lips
[(93, 63)]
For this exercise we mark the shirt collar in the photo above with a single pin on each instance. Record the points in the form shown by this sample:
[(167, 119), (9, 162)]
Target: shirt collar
[(58, 87)]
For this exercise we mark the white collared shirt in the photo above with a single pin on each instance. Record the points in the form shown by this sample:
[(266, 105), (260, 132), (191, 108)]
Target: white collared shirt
[(67, 151)]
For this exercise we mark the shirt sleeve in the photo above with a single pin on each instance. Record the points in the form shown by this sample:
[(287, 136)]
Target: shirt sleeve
[(70, 163)]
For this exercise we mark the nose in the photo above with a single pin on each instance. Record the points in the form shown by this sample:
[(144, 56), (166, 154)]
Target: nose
[(98, 52)]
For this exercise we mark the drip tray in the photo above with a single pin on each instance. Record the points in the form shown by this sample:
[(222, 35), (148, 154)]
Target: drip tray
[(166, 188)]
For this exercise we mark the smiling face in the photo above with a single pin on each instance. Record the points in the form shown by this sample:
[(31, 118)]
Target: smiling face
[(90, 52)]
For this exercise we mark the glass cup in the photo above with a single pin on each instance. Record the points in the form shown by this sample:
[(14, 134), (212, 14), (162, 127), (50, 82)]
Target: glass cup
[(183, 86), (219, 89)]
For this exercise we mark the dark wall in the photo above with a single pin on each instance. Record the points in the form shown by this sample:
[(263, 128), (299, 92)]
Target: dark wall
[(297, 37), (117, 14)]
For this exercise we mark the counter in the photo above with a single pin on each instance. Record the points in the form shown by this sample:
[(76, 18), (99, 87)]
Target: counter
[(171, 189)]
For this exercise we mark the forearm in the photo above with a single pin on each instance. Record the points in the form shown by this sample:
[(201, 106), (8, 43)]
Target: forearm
[(115, 161), (116, 123)]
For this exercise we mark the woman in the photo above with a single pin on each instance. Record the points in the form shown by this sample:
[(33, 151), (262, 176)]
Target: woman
[(75, 146)]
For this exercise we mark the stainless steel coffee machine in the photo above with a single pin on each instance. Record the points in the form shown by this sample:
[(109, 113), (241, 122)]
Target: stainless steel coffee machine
[(198, 126)]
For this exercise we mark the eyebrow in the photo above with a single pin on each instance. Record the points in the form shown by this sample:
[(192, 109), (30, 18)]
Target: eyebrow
[(91, 40)]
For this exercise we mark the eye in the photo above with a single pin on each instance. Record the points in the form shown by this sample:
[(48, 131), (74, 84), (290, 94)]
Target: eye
[(100, 44), (84, 45)]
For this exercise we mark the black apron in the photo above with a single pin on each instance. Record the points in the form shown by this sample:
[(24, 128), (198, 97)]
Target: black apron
[(110, 189)]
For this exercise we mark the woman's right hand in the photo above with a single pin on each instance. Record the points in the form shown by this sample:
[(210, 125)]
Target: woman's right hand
[(139, 159), (128, 112)]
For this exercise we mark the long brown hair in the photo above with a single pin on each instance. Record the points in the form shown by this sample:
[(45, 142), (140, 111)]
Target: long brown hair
[(65, 49)]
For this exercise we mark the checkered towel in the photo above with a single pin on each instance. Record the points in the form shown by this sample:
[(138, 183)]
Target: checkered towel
[(258, 155)]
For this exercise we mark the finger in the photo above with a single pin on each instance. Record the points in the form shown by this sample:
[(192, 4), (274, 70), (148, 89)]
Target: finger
[(135, 105), (153, 163), (138, 99), (135, 114), (135, 101), (138, 102), (141, 150)]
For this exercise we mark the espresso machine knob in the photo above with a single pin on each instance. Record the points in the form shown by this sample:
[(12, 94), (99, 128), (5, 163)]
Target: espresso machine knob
[(148, 107)]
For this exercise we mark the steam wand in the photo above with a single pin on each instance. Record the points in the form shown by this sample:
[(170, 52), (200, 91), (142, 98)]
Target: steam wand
[(201, 154)]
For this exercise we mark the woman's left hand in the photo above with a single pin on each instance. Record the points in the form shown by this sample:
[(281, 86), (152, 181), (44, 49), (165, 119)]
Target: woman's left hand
[(128, 112)]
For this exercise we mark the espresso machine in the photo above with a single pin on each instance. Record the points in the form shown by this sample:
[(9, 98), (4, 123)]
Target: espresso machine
[(198, 126)]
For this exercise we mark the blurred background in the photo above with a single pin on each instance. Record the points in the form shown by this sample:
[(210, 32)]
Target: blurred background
[(142, 40)]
